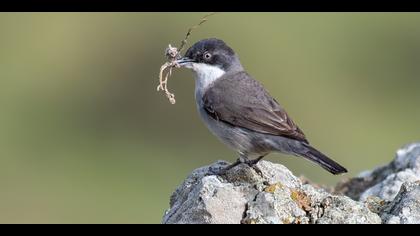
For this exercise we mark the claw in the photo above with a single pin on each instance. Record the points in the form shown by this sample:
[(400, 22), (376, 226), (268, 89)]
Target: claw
[(241, 160)]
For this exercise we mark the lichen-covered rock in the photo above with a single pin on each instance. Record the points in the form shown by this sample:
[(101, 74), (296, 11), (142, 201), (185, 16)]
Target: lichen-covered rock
[(405, 208), (388, 194), (204, 198), (274, 196), (385, 181), (344, 210)]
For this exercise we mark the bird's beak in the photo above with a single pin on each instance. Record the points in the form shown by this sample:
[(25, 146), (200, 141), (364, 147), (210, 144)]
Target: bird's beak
[(185, 62)]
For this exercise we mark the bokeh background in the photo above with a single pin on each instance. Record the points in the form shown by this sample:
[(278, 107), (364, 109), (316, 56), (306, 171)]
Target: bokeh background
[(85, 137)]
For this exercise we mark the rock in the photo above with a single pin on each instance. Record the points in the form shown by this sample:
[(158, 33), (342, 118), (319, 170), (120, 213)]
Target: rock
[(275, 196), (385, 181), (387, 194), (405, 208)]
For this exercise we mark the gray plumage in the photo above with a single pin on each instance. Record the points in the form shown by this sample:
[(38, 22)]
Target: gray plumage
[(240, 112), (248, 105)]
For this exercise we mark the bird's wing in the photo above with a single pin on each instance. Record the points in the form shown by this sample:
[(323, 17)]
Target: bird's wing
[(239, 100)]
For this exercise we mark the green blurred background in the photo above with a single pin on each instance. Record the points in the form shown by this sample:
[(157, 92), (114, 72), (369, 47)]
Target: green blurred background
[(85, 137)]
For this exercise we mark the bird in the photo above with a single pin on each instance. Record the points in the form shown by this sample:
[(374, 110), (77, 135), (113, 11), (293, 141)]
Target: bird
[(239, 111)]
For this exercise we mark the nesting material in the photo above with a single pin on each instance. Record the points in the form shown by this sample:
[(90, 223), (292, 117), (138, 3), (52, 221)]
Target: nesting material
[(172, 54)]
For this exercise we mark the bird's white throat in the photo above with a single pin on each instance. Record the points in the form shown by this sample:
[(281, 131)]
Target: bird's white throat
[(205, 75)]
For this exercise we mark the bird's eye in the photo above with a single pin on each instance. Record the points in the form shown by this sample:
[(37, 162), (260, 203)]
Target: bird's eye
[(207, 55)]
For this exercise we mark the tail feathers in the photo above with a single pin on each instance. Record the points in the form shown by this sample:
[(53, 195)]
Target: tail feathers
[(316, 156)]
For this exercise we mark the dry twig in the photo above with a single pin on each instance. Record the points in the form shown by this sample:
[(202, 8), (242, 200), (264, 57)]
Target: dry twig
[(172, 54)]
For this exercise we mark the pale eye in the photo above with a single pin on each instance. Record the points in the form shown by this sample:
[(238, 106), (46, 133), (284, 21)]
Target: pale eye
[(207, 55)]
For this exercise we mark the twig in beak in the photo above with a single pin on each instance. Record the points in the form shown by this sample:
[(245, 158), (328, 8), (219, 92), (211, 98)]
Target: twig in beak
[(172, 54)]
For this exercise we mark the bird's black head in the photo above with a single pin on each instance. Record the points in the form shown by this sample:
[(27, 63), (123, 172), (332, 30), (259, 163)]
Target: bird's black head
[(213, 52)]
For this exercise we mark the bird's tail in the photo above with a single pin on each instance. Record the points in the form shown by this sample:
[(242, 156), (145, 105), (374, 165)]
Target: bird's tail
[(317, 157)]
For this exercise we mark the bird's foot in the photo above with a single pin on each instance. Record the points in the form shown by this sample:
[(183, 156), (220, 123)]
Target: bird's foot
[(223, 171), (253, 164), (241, 160), (254, 161)]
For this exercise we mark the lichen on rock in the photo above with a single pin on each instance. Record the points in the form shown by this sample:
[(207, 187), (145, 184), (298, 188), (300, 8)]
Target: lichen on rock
[(388, 194)]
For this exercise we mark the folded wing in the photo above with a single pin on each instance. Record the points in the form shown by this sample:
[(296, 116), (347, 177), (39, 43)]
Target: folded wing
[(239, 100)]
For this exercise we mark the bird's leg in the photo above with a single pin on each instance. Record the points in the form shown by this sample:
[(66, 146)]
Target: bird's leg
[(243, 160), (240, 160), (253, 164)]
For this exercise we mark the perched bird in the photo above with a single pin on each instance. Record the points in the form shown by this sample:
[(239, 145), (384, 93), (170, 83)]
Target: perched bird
[(240, 112)]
